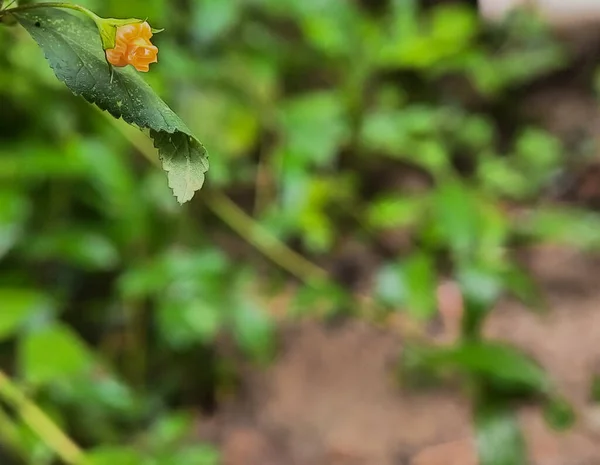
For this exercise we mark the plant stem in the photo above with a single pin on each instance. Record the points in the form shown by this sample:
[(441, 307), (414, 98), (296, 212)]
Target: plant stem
[(232, 215), (262, 239), (9, 437), (70, 6), (40, 423)]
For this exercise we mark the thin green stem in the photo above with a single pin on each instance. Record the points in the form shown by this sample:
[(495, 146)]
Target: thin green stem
[(262, 239), (40, 423), (35, 6), (236, 218), (9, 437)]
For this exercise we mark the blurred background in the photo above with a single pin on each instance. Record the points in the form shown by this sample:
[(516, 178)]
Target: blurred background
[(388, 178)]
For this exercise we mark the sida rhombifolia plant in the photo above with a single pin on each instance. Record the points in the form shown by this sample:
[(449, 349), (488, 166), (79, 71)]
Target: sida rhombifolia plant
[(99, 59)]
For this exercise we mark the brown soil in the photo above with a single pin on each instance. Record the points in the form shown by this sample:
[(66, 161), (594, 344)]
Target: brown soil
[(331, 398)]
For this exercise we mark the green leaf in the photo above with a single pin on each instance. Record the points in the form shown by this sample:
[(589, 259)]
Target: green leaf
[(214, 18), (254, 330), (390, 286), (14, 210), (73, 48), (419, 273), (184, 322), (457, 216), (521, 285), (499, 439), (323, 298), (29, 161), (481, 286), (503, 367), (104, 394), (17, 306), (574, 227), (52, 354), (198, 454), (109, 455), (559, 414), (395, 211), (80, 247), (499, 176), (483, 283), (315, 126), (171, 429), (332, 27), (538, 152)]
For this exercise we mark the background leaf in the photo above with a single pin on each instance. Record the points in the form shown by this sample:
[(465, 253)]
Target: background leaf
[(53, 353), (499, 365), (419, 272), (17, 306), (559, 413), (499, 439)]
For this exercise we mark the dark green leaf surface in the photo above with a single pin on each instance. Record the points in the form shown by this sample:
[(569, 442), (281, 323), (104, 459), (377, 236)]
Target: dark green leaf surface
[(500, 365), (73, 48)]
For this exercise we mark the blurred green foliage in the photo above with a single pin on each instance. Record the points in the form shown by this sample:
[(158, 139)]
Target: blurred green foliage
[(114, 299)]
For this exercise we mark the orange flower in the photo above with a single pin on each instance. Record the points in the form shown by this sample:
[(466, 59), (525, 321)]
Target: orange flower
[(133, 47)]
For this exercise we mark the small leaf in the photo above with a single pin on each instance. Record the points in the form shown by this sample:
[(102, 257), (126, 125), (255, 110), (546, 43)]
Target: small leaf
[(559, 414), (538, 153), (80, 247), (109, 455), (576, 227), (315, 126), (14, 210), (214, 18), (481, 287), (74, 50), (17, 306), (184, 322), (390, 286), (501, 366), (322, 298), (480, 284), (171, 429), (197, 454), (520, 284), (186, 173), (52, 354), (394, 212), (499, 439), (457, 217), (419, 273), (414, 371), (254, 330)]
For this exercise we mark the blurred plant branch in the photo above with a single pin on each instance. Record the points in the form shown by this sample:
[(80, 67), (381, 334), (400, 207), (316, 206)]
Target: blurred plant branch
[(40, 423), (9, 437), (236, 218), (260, 238), (34, 6)]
